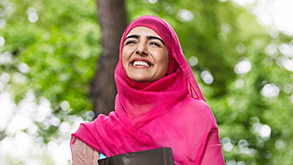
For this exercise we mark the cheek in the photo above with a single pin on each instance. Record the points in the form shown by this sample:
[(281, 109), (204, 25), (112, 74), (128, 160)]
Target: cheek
[(166, 66), (124, 56), (126, 52), (164, 61)]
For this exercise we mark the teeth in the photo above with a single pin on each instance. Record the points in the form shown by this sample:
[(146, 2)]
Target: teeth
[(140, 63)]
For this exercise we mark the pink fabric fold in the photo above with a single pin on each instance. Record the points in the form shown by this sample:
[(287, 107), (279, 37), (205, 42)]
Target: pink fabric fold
[(170, 112)]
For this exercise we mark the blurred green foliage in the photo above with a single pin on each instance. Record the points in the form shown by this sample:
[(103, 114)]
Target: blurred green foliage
[(61, 49), (62, 46)]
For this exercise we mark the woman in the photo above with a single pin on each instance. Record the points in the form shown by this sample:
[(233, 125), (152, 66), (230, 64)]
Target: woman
[(158, 104)]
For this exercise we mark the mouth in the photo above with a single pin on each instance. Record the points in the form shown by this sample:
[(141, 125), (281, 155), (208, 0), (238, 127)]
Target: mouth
[(141, 63)]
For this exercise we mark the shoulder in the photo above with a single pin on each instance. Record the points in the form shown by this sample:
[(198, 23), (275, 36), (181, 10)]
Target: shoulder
[(197, 110), (196, 106), (195, 102)]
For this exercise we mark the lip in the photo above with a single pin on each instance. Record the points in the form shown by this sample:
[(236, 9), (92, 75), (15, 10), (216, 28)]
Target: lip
[(142, 59)]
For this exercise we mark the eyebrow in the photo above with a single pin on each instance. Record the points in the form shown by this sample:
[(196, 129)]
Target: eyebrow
[(148, 37)]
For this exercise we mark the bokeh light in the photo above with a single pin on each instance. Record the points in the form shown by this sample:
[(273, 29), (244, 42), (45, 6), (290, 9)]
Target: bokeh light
[(207, 77), (193, 61), (239, 83), (288, 64), (265, 131), (19, 78), (286, 49), (55, 121), (2, 41), (227, 145), (5, 77), (270, 90), (65, 105), (153, 1), (226, 28), (185, 15), (32, 15), (280, 144), (243, 67), (240, 47), (271, 50), (5, 58), (23, 68)]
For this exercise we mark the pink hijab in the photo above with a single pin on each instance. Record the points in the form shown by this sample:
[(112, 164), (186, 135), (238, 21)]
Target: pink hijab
[(170, 112)]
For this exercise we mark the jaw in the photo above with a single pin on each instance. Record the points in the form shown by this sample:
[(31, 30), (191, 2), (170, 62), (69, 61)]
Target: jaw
[(138, 76)]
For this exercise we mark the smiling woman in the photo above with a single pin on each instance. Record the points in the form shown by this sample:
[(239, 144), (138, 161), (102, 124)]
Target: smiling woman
[(144, 55), (158, 104)]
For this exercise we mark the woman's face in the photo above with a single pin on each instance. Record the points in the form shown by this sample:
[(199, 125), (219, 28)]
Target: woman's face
[(144, 55)]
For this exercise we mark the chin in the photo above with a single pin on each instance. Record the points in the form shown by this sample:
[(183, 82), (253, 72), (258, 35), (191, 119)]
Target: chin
[(141, 80), (139, 77)]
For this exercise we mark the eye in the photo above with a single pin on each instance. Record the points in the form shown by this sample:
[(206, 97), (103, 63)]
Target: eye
[(130, 42), (154, 43)]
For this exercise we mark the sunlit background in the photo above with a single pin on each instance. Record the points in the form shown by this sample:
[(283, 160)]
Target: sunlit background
[(21, 140)]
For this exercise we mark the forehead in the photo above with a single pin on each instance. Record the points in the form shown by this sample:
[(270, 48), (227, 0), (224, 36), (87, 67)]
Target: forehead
[(142, 31)]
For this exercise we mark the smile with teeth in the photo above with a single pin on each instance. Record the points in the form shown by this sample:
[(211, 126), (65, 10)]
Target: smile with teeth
[(140, 63)]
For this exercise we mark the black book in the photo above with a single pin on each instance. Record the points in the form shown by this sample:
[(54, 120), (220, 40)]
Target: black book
[(160, 156)]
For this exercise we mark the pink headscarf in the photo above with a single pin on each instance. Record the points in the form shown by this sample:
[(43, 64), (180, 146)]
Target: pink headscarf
[(170, 112)]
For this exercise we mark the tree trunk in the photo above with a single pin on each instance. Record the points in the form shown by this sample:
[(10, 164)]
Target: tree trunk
[(113, 21)]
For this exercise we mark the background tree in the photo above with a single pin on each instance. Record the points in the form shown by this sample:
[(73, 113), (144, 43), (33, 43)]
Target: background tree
[(48, 60), (112, 19)]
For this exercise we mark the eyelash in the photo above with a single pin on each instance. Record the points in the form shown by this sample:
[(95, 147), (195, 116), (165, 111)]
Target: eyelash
[(151, 43), (154, 43), (130, 42)]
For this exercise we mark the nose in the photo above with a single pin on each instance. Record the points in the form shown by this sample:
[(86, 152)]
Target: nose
[(142, 49)]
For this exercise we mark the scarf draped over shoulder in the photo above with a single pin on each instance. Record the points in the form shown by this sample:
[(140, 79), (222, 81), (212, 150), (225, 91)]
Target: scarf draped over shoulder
[(170, 112)]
